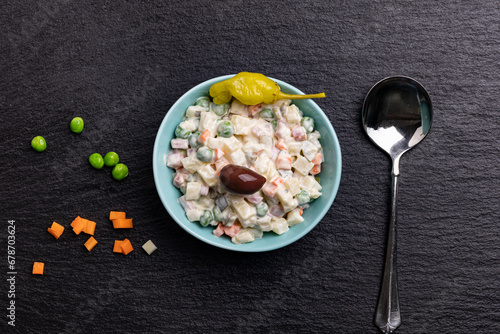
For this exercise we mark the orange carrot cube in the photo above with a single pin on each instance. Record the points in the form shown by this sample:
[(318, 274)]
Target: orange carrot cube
[(89, 227), (117, 248), (90, 243), (38, 268), (277, 181), (204, 137), (78, 225), (232, 230), (281, 145), (315, 170), (318, 159), (218, 154), (116, 215), (122, 223), (126, 246), (219, 230), (56, 230)]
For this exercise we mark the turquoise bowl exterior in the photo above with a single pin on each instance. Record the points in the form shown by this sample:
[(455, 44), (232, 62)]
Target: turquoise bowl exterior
[(329, 176)]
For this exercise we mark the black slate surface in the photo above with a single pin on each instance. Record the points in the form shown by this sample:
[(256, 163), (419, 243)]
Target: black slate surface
[(121, 65)]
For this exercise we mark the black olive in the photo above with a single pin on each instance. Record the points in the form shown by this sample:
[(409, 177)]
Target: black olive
[(241, 180)]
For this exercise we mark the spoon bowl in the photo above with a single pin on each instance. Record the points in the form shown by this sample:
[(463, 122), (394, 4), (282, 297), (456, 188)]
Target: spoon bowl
[(396, 116)]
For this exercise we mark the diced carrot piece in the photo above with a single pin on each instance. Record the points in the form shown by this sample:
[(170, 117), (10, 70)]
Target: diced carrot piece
[(219, 164), (315, 170), (232, 230), (269, 189), (78, 225), (204, 136), (219, 230), (123, 223), (126, 246), (56, 230), (218, 154), (301, 211), (281, 145), (90, 243), (277, 181), (255, 109), (89, 227), (117, 248), (117, 215), (284, 162), (38, 268), (318, 159)]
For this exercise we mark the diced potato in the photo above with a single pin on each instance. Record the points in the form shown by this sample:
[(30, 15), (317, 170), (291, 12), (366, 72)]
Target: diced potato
[(302, 166), (294, 147), (238, 158), (285, 196), (193, 190), (280, 226), (293, 184), (208, 121), (238, 108), (243, 237), (264, 223), (192, 163), (209, 175), (294, 217), (292, 115), (215, 143), (283, 131), (243, 209), (241, 124), (309, 150), (194, 215), (249, 222), (310, 184), (195, 111), (149, 247), (231, 144), (191, 124)]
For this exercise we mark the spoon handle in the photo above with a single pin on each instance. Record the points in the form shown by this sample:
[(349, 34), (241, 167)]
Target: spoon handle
[(387, 316)]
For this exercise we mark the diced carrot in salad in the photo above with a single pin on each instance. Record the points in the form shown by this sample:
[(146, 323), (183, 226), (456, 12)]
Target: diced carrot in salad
[(281, 144), (219, 230), (232, 230), (318, 159), (218, 154), (204, 137), (315, 170)]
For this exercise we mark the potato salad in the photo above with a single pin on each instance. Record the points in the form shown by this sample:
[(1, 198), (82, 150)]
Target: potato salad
[(272, 148)]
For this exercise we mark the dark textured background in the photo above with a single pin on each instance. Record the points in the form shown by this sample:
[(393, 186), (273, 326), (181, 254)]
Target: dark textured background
[(121, 65)]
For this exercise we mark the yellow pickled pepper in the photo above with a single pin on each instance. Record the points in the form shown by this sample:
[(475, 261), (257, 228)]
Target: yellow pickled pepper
[(252, 88)]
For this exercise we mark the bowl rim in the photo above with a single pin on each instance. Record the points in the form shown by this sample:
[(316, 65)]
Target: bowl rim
[(268, 247)]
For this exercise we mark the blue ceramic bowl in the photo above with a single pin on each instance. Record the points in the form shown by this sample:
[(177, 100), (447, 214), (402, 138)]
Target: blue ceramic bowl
[(330, 174)]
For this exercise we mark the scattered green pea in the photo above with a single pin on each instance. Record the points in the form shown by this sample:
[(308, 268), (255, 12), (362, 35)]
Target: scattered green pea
[(76, 125), (262, 209), (206, 218), (111, 159), (220, 109), (204, 154), (181, 133), (225, 129), (267, 114), (39, 144), (119, 172), (96, 160), (303, 197), (308, 124), (193, 140), (203, 102), (274, 123)]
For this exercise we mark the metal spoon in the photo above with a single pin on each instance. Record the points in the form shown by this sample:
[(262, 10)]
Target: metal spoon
[(396, 115)]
